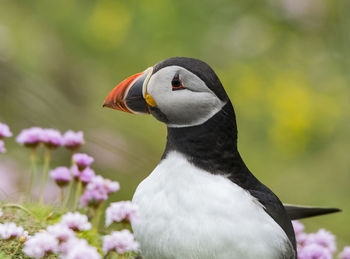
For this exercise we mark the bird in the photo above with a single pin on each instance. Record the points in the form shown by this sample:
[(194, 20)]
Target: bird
[(201, 200)]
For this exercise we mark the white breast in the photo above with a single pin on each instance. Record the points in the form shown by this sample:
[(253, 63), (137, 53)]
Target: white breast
[(186, 212)]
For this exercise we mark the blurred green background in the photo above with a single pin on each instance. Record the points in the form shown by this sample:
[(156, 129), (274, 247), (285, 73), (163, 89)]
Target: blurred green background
[(284, 63)]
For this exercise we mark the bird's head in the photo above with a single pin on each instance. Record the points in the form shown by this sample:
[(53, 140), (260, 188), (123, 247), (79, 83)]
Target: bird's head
[(178, 91)]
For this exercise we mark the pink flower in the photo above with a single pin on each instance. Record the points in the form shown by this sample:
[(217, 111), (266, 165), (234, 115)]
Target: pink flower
[(30, 137), (66, 247), (2, 147), (322, 238), (61, 232), (75, 172), (5, 131), (345, 254), (79, 249), (98, 182), (86, 175), (120, 241), (52, 138), (97, 191), (73, 140), (93, 197), (82, 160), (1, 213), (314, 251), (76, 221), (111, 186), (40, 245), (61, 175), (120, 211), (298, 227), (10, 231), (301, 238)]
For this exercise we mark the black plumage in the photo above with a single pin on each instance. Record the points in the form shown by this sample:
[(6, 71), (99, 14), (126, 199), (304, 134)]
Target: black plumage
[(301, 212)]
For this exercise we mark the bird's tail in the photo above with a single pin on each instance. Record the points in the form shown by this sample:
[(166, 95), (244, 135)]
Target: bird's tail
[(300, 212)]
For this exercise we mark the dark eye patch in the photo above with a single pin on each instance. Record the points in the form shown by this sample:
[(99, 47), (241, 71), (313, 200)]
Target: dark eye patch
[(176, 82)]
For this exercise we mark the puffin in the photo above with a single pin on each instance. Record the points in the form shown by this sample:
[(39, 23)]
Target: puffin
[(201, 200)]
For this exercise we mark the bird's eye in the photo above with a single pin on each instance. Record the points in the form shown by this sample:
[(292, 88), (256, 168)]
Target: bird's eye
[(176, 83)]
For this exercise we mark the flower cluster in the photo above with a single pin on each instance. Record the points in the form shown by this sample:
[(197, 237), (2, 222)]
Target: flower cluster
[(61, 239), (120, 241), (87, 175), (81, 170), (76, 221), (82, 160), (61, 232), (98, 190), (30, 137), (40, 245), (73, 140), (94, 188), (319, 245), (76, 248), (120, 211), (345, 254), (62, 175), (4, 133), (51, 138), (10, 231)]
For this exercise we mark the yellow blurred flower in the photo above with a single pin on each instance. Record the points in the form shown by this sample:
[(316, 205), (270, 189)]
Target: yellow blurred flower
[(299, 113), (110, 22)]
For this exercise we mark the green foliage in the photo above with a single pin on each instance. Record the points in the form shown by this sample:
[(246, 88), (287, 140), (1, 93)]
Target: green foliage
[(93, 238), (4, 256)]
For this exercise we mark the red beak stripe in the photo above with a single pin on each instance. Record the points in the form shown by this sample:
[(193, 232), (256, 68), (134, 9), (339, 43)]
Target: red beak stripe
[(115, 98)]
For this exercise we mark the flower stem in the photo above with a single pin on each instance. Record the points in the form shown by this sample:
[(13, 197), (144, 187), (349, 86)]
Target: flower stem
[(62, 195), (77, 193), (46, 173), (16, 249), (68, 198), (97, 217), (72, 160), (33, 158), (18, 206)]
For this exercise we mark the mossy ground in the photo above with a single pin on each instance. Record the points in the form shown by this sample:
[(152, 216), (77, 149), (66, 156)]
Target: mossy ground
[(36, 217), (32, 217)]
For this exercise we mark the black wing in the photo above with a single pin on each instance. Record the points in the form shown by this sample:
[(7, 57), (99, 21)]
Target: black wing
[(300, 212)]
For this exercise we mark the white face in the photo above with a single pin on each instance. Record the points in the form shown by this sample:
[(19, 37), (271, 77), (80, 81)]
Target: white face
[(191, 105)]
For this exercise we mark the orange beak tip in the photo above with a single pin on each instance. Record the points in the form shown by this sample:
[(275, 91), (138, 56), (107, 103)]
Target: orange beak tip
[(117, 98), (108, 105)]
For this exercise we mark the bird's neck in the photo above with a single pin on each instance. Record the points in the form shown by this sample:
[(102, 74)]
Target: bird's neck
[(212, 145)]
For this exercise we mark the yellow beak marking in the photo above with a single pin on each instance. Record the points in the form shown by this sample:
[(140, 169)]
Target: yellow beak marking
[(151, 102)]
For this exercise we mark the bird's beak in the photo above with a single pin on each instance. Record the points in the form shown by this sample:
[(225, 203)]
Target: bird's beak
[(129, 95)]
